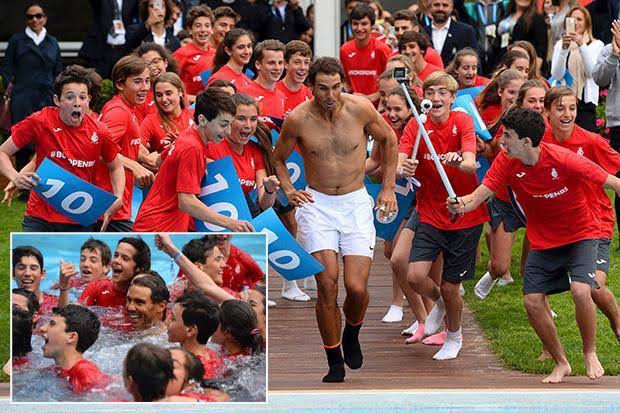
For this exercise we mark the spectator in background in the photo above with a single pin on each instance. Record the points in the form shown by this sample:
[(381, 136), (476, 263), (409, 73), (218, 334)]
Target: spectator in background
[(282, 20), (465, 68), (105, 43), (225, 18), (415, 45), (527, 48), (448, 36), (154, 14), (310, 13), (174, 21), (404, 21), (346, 31), (484, 18), (554, 16), (577, 52), (31, 63), (185, 37), (603, 13), (523, 22), (245, 8)]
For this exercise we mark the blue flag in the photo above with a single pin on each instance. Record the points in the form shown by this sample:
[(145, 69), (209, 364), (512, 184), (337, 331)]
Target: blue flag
[(405, 193), (566, 81), (71, 196), (285, 254), (295, 166), (471, 91), (220, 190), (205, 76), (465, 103)]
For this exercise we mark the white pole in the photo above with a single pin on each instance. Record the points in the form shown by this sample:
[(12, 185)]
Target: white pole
[(327, 28)]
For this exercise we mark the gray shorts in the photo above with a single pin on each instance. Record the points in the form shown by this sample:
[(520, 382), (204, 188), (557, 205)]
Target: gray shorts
[(603, 258), (552, 271), (503, 212)]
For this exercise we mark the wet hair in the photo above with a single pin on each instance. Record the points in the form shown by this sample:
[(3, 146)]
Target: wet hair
[(33, 301), (263, 291), (222, 83), (238, 318), (230, 39), (527, 85), (151, 368), (458, 60), (143, 9), (21, 332), (71, 74), (167, 123), (200, 311), (144, 48), (534, 71), (269, 44), (412, 36), (211, 102), (226, 11), (362, 11), (143, 253), (325, 65), (489, 95), (194, 370), (441, 79), (526, 123), (81, 320), (93, 244), (200, 10), (26, 251), (297, 47), (199, 249), (262, 133), (156, 284), (557, 93), (126, 67)]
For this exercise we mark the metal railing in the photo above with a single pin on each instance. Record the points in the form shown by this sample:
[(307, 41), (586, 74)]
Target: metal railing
[(67, 49)]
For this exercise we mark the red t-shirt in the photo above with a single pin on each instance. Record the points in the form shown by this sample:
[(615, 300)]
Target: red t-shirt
[(48, 301), (84, 376), (553, 194), (246, 164), (596, 149), (293, 99), (240, 80), (240, 270), (192, 62), (481, 81), (146, 108), (181, 172), (153, 130), (102, 293), (271, 102), (75, 149), (455, 134), (490, 115), (214, 366), (433, 57), (363, 66), (124, 129), (428, 69)]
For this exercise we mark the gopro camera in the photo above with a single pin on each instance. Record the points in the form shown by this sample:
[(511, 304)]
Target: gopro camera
[(400, 74)]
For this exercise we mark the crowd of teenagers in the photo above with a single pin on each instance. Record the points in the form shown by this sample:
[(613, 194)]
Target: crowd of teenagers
[(214, 312), (544, 154)]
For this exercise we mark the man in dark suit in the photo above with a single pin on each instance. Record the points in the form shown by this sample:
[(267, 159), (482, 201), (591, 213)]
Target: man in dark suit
[(244, 8), (603, 12), (282, 20), (448, 36), (105, 43)]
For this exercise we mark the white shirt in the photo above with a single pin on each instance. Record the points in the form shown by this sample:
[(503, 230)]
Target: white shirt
[(160, 40), (36, 38), (439, 35)]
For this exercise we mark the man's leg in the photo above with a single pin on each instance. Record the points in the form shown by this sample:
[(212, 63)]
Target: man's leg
[(328, 314), (356, 271), (499, 262), (604, 299), (585, 314), (290, 289), (454, 310)]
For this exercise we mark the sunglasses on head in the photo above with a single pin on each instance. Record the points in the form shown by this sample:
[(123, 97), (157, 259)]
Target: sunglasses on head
[(35, 16)]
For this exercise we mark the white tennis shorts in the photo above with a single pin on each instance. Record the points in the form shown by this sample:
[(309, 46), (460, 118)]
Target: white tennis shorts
[(342, 223)]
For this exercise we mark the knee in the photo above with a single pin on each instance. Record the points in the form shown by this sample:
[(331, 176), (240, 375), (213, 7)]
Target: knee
[(398, 263), (327, 289), (356, 292), (449, 290), (415, 278), (582, 294), (534, 302), (498, 268)]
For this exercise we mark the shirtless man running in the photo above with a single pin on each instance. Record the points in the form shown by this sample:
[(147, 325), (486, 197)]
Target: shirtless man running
[(335, 212)]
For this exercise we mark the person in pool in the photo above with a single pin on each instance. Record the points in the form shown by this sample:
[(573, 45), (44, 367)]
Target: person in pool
[(147, 370), (28, 272), (147, 300)]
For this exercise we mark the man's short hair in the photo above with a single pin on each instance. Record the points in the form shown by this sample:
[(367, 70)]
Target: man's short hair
[(33, 301), (556, 93), (200, 10), (225, 11), (26, 251), (71, 74), (441, 79), (156, 284), (405, 15), (325, 65), (127, 66), (413, 36), (81, 320), (150, 368), (526, 123), (297, 46), (21, 332), (211, 103), (269, 44), (361, 11), (93, 244), (143, 253), (198, 249), (200, 311)]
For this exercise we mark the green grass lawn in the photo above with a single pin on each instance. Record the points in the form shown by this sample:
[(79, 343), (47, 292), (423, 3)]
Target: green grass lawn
[(504, 321), (10, 220)]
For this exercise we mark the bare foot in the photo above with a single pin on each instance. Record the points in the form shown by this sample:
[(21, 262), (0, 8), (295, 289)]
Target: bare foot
[(558, 373), (594, 370), (545, 355)]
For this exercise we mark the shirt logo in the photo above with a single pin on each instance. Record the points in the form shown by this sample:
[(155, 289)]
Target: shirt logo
[(104, 292), (463, 273), (554, 174), (259, 98), (454, 130), (580, 151), (601, 261), (94, 138), (57, 129), (196, 58), (372, 54), (591, 274), (520, 174), (350, 55), (252, 163)]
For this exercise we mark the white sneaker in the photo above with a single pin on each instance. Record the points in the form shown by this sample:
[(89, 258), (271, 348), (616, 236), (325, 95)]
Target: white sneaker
[(410, 330), (502, 283), (435, 318), (291, 291), (394, 314), (484, 285), (310, 284)]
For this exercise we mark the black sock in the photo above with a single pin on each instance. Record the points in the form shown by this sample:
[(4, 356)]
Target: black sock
[(351, 346), (336, 365)]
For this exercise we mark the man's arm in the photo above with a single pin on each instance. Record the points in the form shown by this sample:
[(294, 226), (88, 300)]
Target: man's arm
[(607, 61), (117, 179), (463, 204), (22, 180), (192, 206), (144, 177), (612, 182)]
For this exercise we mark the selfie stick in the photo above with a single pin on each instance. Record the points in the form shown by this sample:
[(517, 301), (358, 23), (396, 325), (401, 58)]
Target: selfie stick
[(431, 149)]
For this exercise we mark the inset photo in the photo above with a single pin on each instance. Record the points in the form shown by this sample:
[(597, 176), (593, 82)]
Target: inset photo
[(139, 317)]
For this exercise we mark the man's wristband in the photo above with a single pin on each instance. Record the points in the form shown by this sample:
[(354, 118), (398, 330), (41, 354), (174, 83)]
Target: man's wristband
[(176, 256)]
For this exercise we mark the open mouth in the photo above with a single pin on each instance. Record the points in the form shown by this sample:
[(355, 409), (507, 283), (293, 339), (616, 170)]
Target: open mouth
[(245, 135), (76, 115), (134, 318), (27, 281), (566, 122)]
